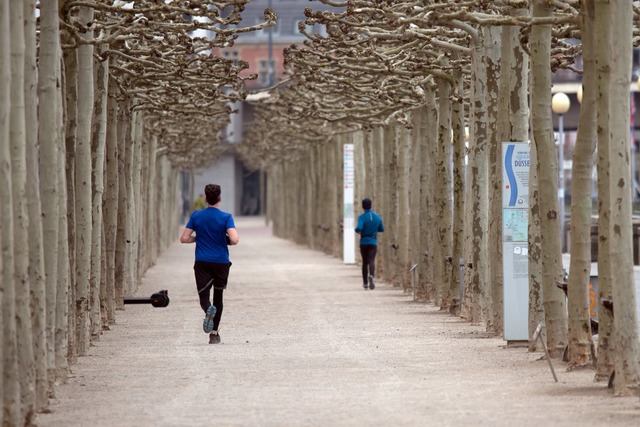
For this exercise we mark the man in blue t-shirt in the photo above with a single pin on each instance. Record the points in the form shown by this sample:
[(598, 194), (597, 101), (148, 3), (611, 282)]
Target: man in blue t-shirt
[(214, 231), (369, 225)]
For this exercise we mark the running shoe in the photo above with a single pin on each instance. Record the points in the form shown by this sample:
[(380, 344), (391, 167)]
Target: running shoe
[(214, 338), (207, 323)]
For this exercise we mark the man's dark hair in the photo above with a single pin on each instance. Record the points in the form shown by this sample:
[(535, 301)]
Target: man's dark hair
[(366, 204), (212, 191)]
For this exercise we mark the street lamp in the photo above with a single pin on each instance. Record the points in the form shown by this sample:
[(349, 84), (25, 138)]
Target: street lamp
[(560, 104)]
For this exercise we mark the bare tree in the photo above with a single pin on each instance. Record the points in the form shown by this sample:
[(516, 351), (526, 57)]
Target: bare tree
[(580, 342), (551, 254), (17, 138), (625, 319)]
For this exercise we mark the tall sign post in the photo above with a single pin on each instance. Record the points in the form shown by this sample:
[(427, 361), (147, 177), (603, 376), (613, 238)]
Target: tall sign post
[(515, 241), (349, 228)]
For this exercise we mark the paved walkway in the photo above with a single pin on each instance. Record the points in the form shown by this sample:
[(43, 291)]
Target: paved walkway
[(304, 345)]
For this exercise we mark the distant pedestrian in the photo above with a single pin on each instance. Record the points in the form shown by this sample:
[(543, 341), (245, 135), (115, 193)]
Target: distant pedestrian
[(200, 203), (214, 231), (369, 225)]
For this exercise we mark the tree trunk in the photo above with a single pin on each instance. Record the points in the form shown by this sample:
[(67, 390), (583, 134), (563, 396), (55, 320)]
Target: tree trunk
[(17, 137), (459, 149), (110, 214), (580, 342), (621, 233), (415, 189), (443, 193), (431, 217), (83, 189), (71, 124), (554, 304), (404, 151), (536, 306), (98, 143), (49, 81), (60, 319), (478, 182), (605, 362), (509, 39), (10, 383), (120, 286), (36, 251), (421, 129)]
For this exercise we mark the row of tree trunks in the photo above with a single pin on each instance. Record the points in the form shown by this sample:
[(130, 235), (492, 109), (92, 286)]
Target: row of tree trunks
[(89, 201), (392, 162)]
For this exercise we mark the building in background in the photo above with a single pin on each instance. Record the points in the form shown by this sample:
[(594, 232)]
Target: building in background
[(263, 51)]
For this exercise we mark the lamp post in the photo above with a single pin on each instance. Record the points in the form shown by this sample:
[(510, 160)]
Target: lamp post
[(560, 104), (270, 67)]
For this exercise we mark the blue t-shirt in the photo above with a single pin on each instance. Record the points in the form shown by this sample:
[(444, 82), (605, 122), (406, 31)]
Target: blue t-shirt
[(211, 225), (369, 225)]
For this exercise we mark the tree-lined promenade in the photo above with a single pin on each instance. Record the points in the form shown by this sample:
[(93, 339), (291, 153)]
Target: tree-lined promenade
[(104, 103)]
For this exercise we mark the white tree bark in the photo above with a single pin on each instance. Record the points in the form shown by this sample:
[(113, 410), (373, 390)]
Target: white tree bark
[(98, 144), (83, 188), (10, 383), (509, 39), (49, 81), (63, 332), (36, 256), (621, 244), (579, 336), (459, 149), (69, 148), (404, 151), (443, 195), (110, 212), (17, 137), (605, 362), (554, 305)]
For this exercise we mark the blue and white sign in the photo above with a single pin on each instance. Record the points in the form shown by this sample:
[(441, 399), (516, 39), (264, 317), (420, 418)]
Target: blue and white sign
[(515, 174), (515, 236)]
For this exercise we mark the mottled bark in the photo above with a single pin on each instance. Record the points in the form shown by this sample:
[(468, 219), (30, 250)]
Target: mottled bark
[(38, 304), (580, 342), (49, 93), (621, 234), (98, 143), (443, 194), (459, 150), (554, 302), (9, 385), (17, 138), (605, 363)]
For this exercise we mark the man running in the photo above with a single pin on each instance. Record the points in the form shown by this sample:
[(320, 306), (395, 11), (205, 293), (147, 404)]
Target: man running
[(369, 225), (214, 231)]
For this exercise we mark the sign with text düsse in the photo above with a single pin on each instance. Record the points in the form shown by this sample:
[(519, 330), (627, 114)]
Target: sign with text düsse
[(515, 246)]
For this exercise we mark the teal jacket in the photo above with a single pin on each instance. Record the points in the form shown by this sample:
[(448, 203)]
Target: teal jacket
[(369, 225)]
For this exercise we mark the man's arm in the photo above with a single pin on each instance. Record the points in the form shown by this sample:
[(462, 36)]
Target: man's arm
[(187, 236), (359, 226), (233, 236)]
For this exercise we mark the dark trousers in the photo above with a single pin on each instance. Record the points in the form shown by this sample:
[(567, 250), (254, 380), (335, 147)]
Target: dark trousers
[(368, 253), (211, 275)]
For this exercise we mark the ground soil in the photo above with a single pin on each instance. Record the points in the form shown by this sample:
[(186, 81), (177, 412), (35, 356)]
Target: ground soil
[(304, 345)]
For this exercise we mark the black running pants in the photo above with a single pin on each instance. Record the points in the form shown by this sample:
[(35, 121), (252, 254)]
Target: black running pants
[(368, 253)]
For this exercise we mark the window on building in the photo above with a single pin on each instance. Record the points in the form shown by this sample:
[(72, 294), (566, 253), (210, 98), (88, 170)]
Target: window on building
[(264, 71), (231, 55)]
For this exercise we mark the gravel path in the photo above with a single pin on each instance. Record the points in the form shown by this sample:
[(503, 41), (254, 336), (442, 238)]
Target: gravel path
[(304, 345)]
